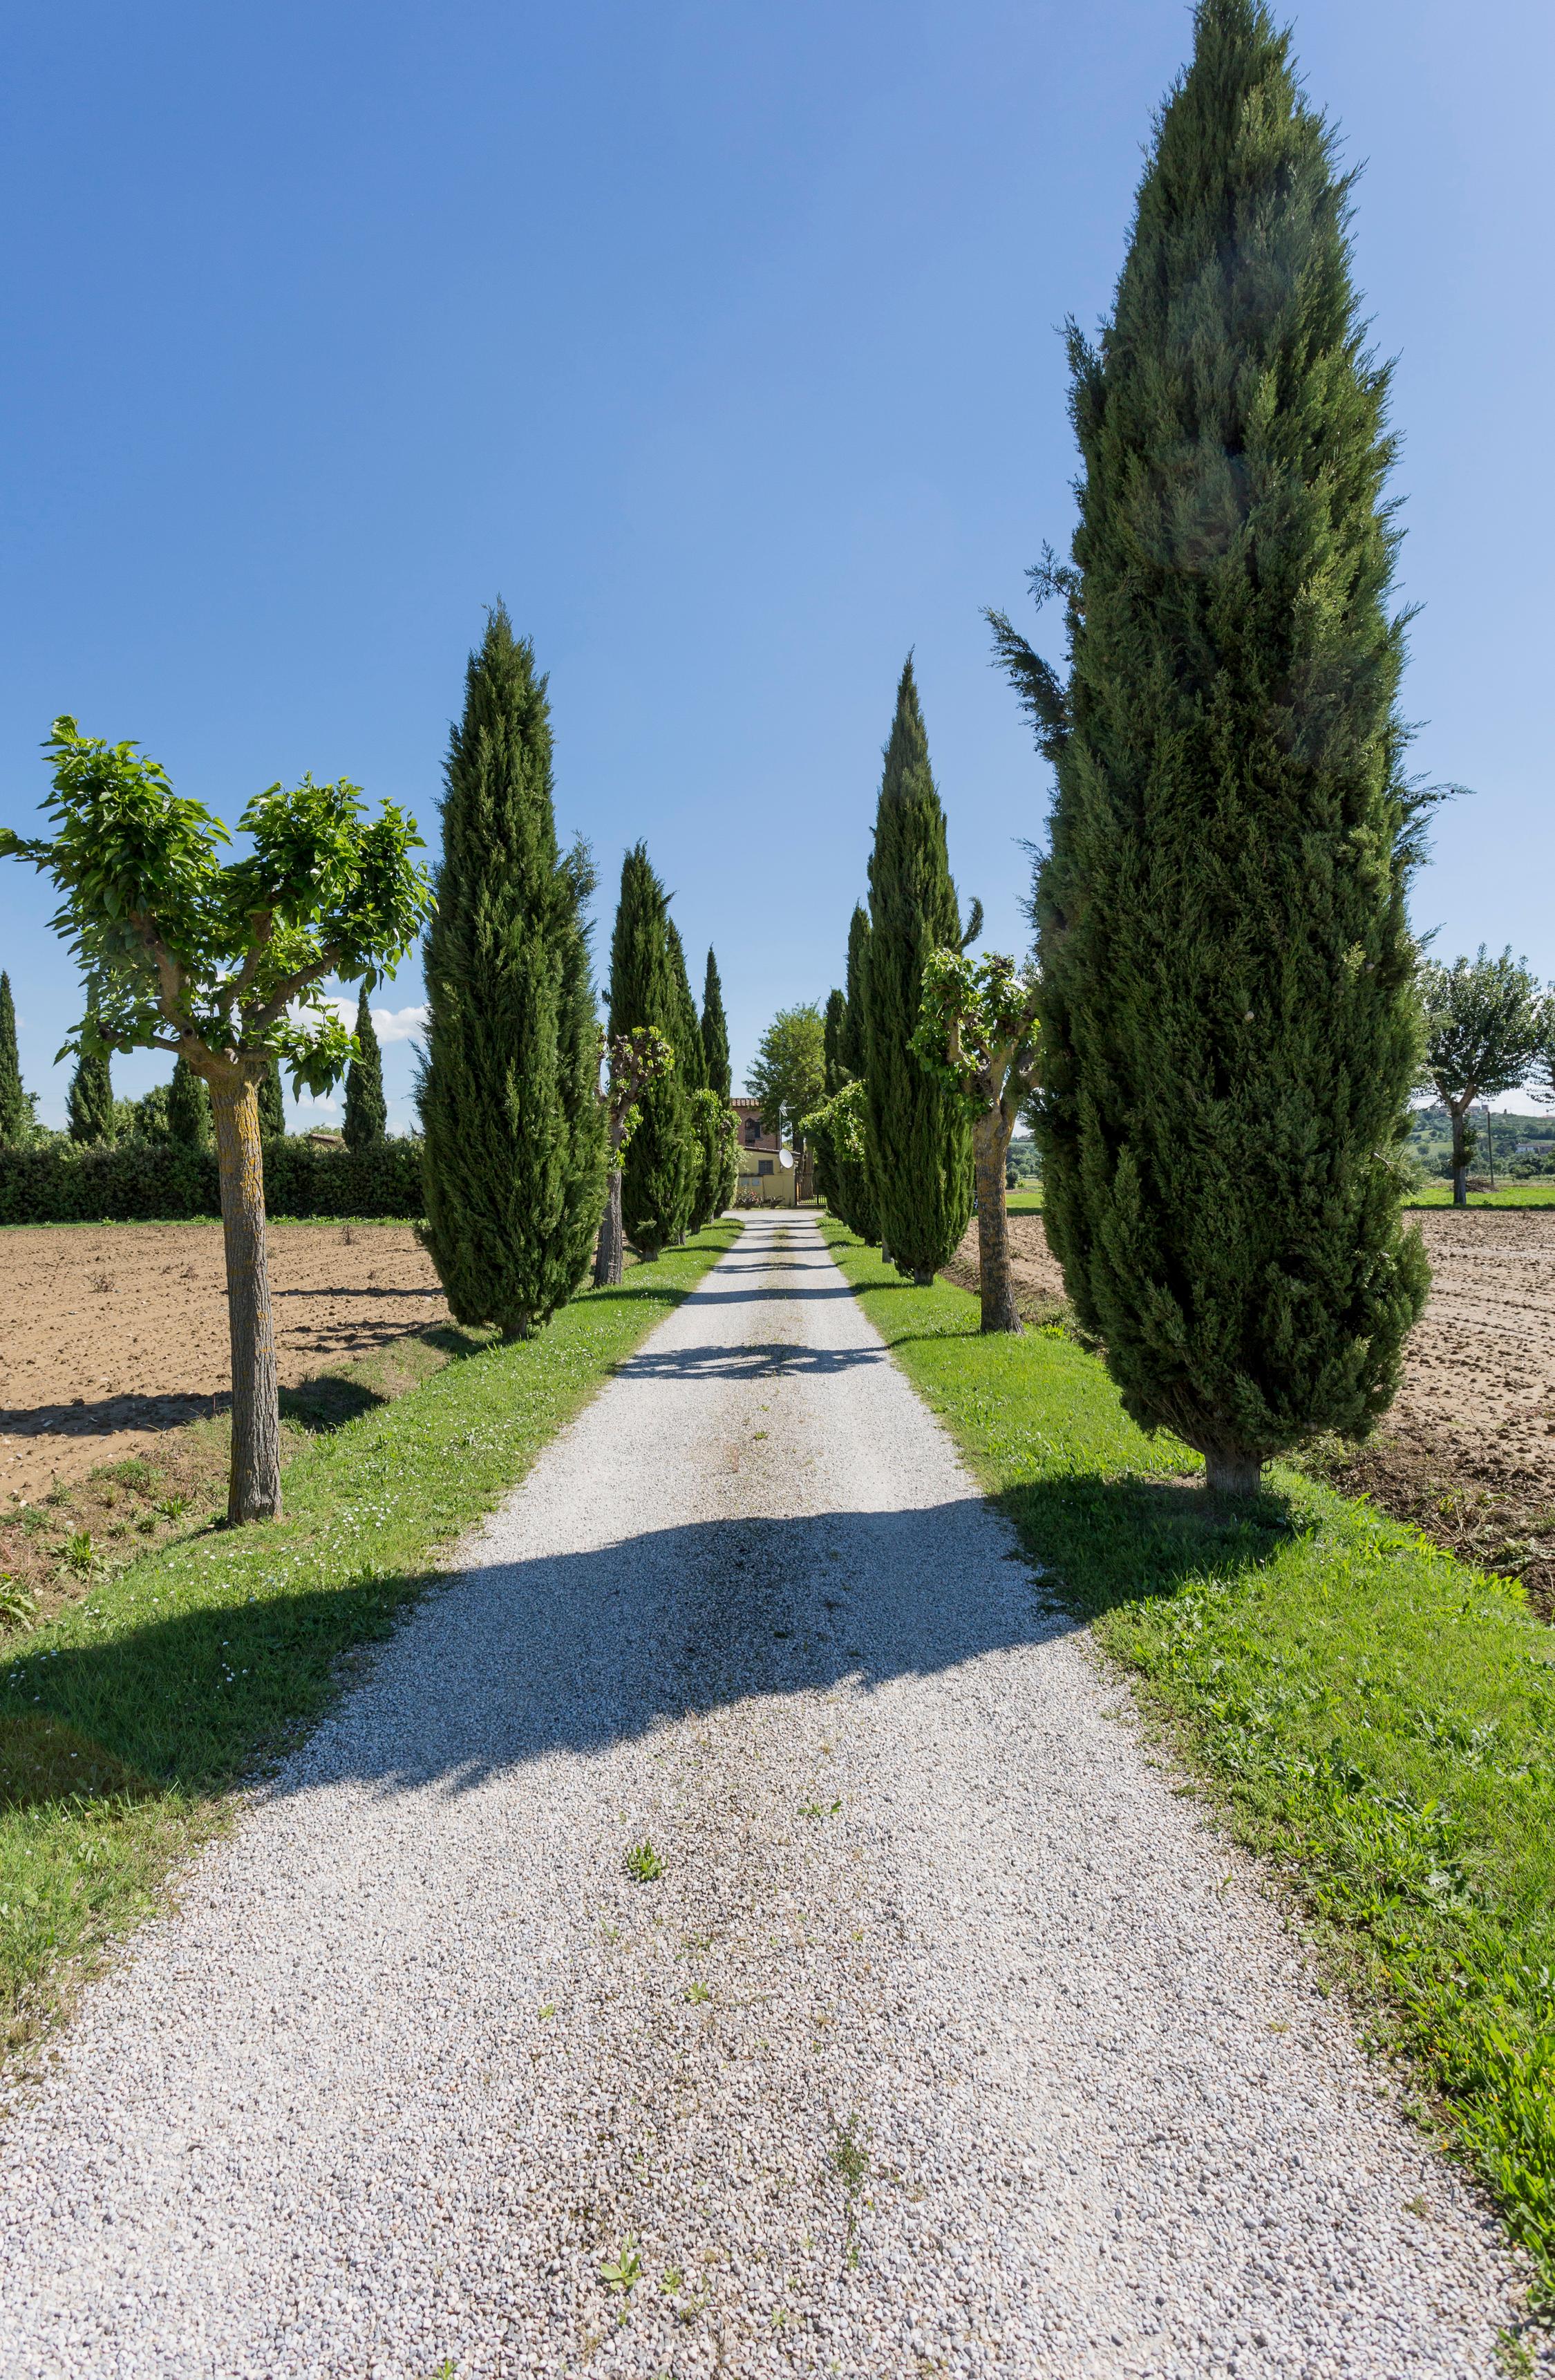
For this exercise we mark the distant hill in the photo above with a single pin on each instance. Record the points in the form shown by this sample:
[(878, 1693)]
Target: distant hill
[(1522, 1145)]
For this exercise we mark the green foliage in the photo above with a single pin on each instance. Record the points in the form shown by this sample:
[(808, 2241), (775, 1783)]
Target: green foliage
[(834, 1032), (919, 1139), (1372, 1716), (16, 1122), (836, 1131), (182, 951), (717, 1129), (1228, 1010), (367, 1110), (89, 1105), (271, 1101), (659, 1176), (139, 1181), (715, 1032), (850, 1045), (183, 1671), (976, 1029), (188, 1109), (514, 1137), (690, 1052), (789, 1076)]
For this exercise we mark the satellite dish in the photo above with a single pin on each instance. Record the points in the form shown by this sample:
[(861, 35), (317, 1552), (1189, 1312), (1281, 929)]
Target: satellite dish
[(786, 1158)]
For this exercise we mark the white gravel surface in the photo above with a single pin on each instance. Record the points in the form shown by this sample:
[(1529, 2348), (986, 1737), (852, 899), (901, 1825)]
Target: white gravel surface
[(949, 2040)]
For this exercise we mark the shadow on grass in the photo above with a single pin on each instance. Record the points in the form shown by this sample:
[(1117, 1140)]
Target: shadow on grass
[(1109, 1541)]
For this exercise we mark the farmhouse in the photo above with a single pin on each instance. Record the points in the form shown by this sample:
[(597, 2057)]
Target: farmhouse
[(768, 1174)]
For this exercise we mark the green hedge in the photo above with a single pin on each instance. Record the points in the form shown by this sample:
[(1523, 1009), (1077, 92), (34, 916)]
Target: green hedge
[(139, 1183)]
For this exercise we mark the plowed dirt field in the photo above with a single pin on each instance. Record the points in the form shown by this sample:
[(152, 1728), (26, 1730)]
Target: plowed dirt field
[(110, 1336)]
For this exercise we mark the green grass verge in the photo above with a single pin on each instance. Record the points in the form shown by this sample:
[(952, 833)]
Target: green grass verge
[(1519, 1193), (1024, 1202), (125, 1721), (1369, 1714)]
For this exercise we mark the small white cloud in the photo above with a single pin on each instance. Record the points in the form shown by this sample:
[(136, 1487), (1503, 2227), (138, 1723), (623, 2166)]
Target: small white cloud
[(310, 1110), (389, 1024)]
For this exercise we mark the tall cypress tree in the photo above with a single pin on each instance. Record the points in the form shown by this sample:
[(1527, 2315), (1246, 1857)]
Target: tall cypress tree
[(659, 1176), (690, 1054), (850, 1048), (919, 1140), (834, 1032), (16, 1107), (715, 1033), (272, 1103), (1227, 1011), (189, 1108), (89, 1106), (367, 1110), (513, 1158)]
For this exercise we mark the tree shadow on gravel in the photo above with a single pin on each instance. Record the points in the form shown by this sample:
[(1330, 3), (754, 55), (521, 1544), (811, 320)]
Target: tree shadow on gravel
[(516, 1660)]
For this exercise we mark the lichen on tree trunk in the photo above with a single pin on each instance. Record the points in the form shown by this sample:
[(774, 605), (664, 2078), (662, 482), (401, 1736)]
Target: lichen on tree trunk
[(609, 1256), (254, 1481), (996, 1291)]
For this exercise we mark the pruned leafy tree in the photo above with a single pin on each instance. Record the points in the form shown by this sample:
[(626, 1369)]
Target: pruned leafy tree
[(836, 1131), (1227, 1012), (717, 1130), (223, 965), (367, 1110), (1486, 1021), (715, 1033), (16, 1107), (978, 1030), (635, 1060)]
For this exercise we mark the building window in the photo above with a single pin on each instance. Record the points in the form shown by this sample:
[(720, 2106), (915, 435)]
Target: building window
[(763, 1165), (752, 1134)]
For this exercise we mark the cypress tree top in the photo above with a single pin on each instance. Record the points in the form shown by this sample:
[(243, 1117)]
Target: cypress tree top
[(89, 1106), (658, 1176), (832, 1043), (920, 1151), (16, 1109), (715, 1033), (1226, 1006), (691, 1052), (189, 1108), (850, 1048), (367, 1110)]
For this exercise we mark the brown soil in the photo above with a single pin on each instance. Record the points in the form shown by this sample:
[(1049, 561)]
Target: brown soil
[(1467, 1451), (114, 1336)]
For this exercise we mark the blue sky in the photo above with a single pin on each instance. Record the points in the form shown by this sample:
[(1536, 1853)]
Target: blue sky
[(720, 340)]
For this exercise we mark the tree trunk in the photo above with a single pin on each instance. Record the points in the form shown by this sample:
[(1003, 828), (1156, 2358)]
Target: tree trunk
[(1230, 1474), (608, 1256), (923, 1277), (996, 1291), (1460, 1156), (254, 1481)]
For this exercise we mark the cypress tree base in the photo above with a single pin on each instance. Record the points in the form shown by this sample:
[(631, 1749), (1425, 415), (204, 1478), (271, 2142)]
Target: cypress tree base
[(923, 1277), (1232, 1475)]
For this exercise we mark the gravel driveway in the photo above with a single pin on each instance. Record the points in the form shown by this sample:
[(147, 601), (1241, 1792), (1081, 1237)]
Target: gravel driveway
[(948, 2039)]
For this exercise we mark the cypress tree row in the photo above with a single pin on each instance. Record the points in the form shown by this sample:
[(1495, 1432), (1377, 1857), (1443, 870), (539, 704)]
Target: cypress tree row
[(272, 1103), (16, 1107), (1228, 1018), (919, 1141), (658, 1177), (367, 1110), (850, 1047), (715, 1033), (513, 1156), (189, 1108)]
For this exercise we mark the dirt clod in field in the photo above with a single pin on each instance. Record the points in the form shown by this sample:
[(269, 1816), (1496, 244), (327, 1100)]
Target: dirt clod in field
[(111, 1337)]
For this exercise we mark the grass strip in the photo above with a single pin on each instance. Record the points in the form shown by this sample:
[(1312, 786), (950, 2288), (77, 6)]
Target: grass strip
[(1373, 1716), (125, 1720)]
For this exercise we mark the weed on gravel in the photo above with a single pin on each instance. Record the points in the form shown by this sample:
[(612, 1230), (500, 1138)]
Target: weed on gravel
[(129, 1713), (1374, 1715)]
